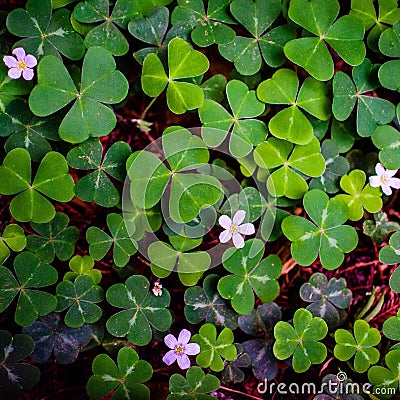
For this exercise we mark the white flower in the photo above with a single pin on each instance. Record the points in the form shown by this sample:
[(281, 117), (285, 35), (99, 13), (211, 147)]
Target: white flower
[(157, 289), (22, 65), (384, 179), (234, 230)]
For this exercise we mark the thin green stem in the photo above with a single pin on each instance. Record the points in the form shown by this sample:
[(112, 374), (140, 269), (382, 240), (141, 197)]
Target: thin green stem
[(143, 116)]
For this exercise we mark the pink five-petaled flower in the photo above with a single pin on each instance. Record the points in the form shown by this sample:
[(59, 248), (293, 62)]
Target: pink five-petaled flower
[(234, 230), (181, 349), (22, 65), (384, 179)]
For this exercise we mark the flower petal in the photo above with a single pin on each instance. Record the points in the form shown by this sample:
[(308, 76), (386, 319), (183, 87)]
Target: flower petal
[(169, 357), (183, 361), (394, 183), (379, 169), (246, 229), (225, 236), (30, 61), (184, 337), (19, 52), (225, 221), (238, 240), (375, 181), (386, 189), (27, 74), (191, 349), (10, 61), (170, 341), (14, 73), (239, 217)]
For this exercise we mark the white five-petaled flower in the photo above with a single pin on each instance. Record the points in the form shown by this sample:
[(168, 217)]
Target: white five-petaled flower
[(384, 179), (234, 229), (180, 349), (157, 289), (21, 65)]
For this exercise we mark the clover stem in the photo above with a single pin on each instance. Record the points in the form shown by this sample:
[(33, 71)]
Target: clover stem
[(143, 116)]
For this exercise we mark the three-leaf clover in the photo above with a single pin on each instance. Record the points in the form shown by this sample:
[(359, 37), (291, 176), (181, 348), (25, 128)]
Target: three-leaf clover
[(343, 35), (391, 255), (290, 123), (379, 229), (387, 140), (212, 348), (97, 186), (301, 340), (82, 265), (54, 238), (141, 310), (245, 130), (30, 274), (51, 179), (183, 62), (391, 327), (45, 33), (249, 274), (327, 299), (361, 345), (13, 237), (247, 53), (232, 371), (325, 236), (124, 380), (101, 242), (101, 84)]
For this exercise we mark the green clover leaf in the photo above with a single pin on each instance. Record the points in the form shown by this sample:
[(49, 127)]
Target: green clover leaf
[(51, 180), (97, 186), (387, 140), (247, 53), (345, 36), (11, 88), (361, 345), (89, 115), (249, 274), (141, 310), (82, 265), (45, 33), (30, 274), (379, 229), (391, 327), (326, 235), (214, 349), (124, 380), (13, 237), (391, 255), (301, 340), (245, 131), (183, 62)]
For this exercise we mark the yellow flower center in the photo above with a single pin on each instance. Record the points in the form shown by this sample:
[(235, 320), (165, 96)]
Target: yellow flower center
[(178, 349), (384, 178), (21, 65), (233, 228)]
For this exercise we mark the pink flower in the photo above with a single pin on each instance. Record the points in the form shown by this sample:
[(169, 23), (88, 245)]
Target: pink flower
[(384, 179), (22, 65), (234, 230), (181, 348)]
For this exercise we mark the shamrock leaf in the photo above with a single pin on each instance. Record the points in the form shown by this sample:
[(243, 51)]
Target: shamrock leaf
[(30, 274), (213, 88), (80, 298), (361, 345), (206, 304), (89, 115), (344, 35), (301, 340), (385, 379), (371, 111), (379, 229), (247, 53), (387, 140), (55, 238), (82, 265), (327, 299), (141, 310), (100, 242), (249, 274), (16, 376), (124, 380), (391, 255), (13, 237), (183, 62), (97, 186), (232, 371), (51, 335), (10, 89), (208, 27), (359, 196), (213, 349), (51, 179), (245, 131), (391, 327), (290, 123), (335, 166), (45, 33), (261, 322), (287, 159), (196, 385), (325, 236)]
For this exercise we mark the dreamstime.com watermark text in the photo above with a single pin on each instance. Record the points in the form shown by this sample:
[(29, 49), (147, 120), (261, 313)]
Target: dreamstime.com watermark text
[(337, 386)]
